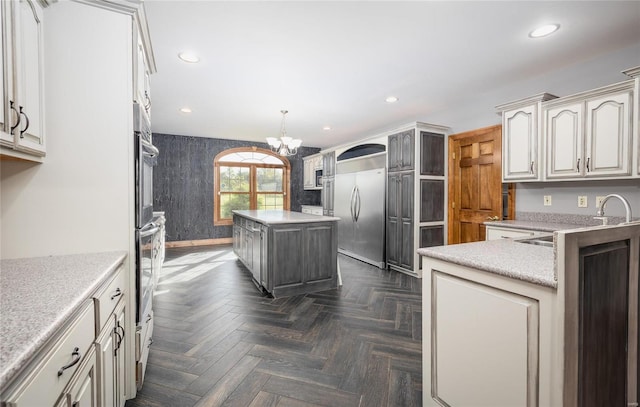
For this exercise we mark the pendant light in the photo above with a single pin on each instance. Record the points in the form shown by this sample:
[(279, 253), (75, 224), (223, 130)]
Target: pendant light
[(285, 146)]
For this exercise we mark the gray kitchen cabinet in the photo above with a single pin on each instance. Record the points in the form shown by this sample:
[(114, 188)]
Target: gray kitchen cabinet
[(328, 188), (292, 256), (409, 215), (401, 151), (400, 208), (329, 164)]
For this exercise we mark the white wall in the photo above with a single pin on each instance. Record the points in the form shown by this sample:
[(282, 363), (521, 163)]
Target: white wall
[(564, 196), (81, 198)]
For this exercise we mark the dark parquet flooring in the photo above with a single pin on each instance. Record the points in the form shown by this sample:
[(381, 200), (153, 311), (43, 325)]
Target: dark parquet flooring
[(218, 341)]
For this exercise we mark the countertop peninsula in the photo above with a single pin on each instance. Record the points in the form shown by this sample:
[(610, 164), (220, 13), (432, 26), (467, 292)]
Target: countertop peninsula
[(38, 296), (275, 216), (506, 257)]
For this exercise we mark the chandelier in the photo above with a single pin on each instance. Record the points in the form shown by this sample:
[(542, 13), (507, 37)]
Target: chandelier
[(285, 145)]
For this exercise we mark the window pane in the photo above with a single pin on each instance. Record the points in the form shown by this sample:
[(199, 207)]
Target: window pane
[(234, 179), (269, 179), (270, 201), (229, 202), (250, 157)]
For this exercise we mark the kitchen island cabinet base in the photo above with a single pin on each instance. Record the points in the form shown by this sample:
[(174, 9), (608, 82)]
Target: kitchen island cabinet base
[(288, 257)]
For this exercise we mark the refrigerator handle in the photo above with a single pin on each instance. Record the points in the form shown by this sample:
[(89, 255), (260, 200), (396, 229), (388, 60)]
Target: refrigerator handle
[(351, 203), (359, 203)]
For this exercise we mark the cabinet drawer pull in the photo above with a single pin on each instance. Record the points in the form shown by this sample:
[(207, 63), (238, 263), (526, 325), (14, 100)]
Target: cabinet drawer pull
[(588, 159), (578, 165), (531, 168), (117, 294), (76, 358), (148, 318), (25, 127), (150, 342), (17, 114)]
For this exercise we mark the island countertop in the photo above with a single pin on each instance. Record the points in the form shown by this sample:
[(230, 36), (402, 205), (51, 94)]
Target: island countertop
[(274, 217), (39, 295), (506, 257)]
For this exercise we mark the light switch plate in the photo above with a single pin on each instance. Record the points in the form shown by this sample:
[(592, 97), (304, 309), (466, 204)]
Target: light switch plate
[(599, 200), (547, 200), (582, 201)]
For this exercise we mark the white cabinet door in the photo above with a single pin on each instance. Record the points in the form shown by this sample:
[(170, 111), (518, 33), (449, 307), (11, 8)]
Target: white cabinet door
[(142, 78), (484, 345), (83, 390), (520, 144), (106, 348), (608, 136), (122, 371), (564, 140), (29, 135), (6, 85)]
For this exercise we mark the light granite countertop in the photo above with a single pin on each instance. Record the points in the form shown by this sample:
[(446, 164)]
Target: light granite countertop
[(274, 217), (505, 257), (39, 295)]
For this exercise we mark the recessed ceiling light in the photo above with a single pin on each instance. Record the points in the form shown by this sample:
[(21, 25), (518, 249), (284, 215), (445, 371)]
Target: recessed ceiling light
[(391, 99), (544, 30), (189, 57), (185, 110), (326, 128)]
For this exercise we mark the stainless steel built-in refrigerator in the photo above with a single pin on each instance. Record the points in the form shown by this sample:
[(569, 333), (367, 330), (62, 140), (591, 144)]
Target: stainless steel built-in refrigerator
[(359, 202)]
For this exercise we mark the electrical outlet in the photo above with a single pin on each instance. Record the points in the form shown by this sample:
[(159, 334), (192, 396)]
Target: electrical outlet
[(599, 201), (547, 200), (582, 201)]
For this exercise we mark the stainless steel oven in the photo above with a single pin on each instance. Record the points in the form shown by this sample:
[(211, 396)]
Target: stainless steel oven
[(146, 158), (146, 273)]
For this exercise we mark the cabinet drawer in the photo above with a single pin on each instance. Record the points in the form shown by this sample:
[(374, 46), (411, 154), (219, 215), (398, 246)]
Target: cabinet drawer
[(45, 383), (143, 343), (107, 298), (500, 233)]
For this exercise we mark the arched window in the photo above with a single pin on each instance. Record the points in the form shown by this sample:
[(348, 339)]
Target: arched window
[(249, 178)]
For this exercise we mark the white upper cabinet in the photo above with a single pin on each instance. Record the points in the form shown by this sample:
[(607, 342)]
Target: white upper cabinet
[(564, 140), (607, 135), (142, 79), (22, 127), (590, 135), (521, 144)]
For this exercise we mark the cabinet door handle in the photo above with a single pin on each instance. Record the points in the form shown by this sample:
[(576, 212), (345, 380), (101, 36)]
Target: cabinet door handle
[(531, 168), (147, 105), (148, 318), (25, 127), (117, 294), (588, 159), (76, 358), (17, 114), (578, 165), (118, 342)]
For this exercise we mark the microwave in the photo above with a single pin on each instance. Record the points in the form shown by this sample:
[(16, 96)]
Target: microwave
[(318, 178)]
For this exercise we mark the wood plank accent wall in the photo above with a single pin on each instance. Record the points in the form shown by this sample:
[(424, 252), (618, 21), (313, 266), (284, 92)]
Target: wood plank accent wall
[(183, 184)]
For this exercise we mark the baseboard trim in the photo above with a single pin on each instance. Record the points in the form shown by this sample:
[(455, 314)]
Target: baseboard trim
[(201, 242)]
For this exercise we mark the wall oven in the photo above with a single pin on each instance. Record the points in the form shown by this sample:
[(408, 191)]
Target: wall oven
[(146, 158)]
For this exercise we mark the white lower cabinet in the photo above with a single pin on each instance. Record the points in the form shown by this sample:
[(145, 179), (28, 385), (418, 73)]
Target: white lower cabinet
[(45, 383), (111, 345), (83, 389), (485, 341), (493, 233)]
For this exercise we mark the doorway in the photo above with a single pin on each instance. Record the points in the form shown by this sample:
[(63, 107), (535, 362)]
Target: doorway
[(475, 184)]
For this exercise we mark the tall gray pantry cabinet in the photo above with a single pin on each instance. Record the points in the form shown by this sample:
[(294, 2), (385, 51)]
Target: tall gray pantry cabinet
[(416, 194)]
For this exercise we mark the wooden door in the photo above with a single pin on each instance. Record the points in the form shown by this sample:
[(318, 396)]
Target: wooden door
[(475, 183)]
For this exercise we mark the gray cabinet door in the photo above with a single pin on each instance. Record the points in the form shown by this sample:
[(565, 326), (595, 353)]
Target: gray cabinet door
[(406, 216), (286, 268), (329, 164), (400, 219), (401, 150), (318, 244), (328, 186), (432, 153)]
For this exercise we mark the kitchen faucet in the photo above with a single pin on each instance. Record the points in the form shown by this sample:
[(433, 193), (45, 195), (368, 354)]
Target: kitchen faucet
[(627, 207)]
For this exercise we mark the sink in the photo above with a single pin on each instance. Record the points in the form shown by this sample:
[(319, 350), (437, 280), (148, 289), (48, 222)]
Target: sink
[(546, 241)]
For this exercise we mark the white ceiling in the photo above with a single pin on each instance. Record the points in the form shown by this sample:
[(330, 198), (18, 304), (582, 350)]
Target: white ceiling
[(333, 63)]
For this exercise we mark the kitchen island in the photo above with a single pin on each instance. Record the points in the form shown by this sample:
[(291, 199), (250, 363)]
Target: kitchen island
[(548, 320), (287, 253)]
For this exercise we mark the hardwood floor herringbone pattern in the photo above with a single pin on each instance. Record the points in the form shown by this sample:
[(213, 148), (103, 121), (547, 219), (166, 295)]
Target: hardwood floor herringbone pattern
[(218, 341)]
